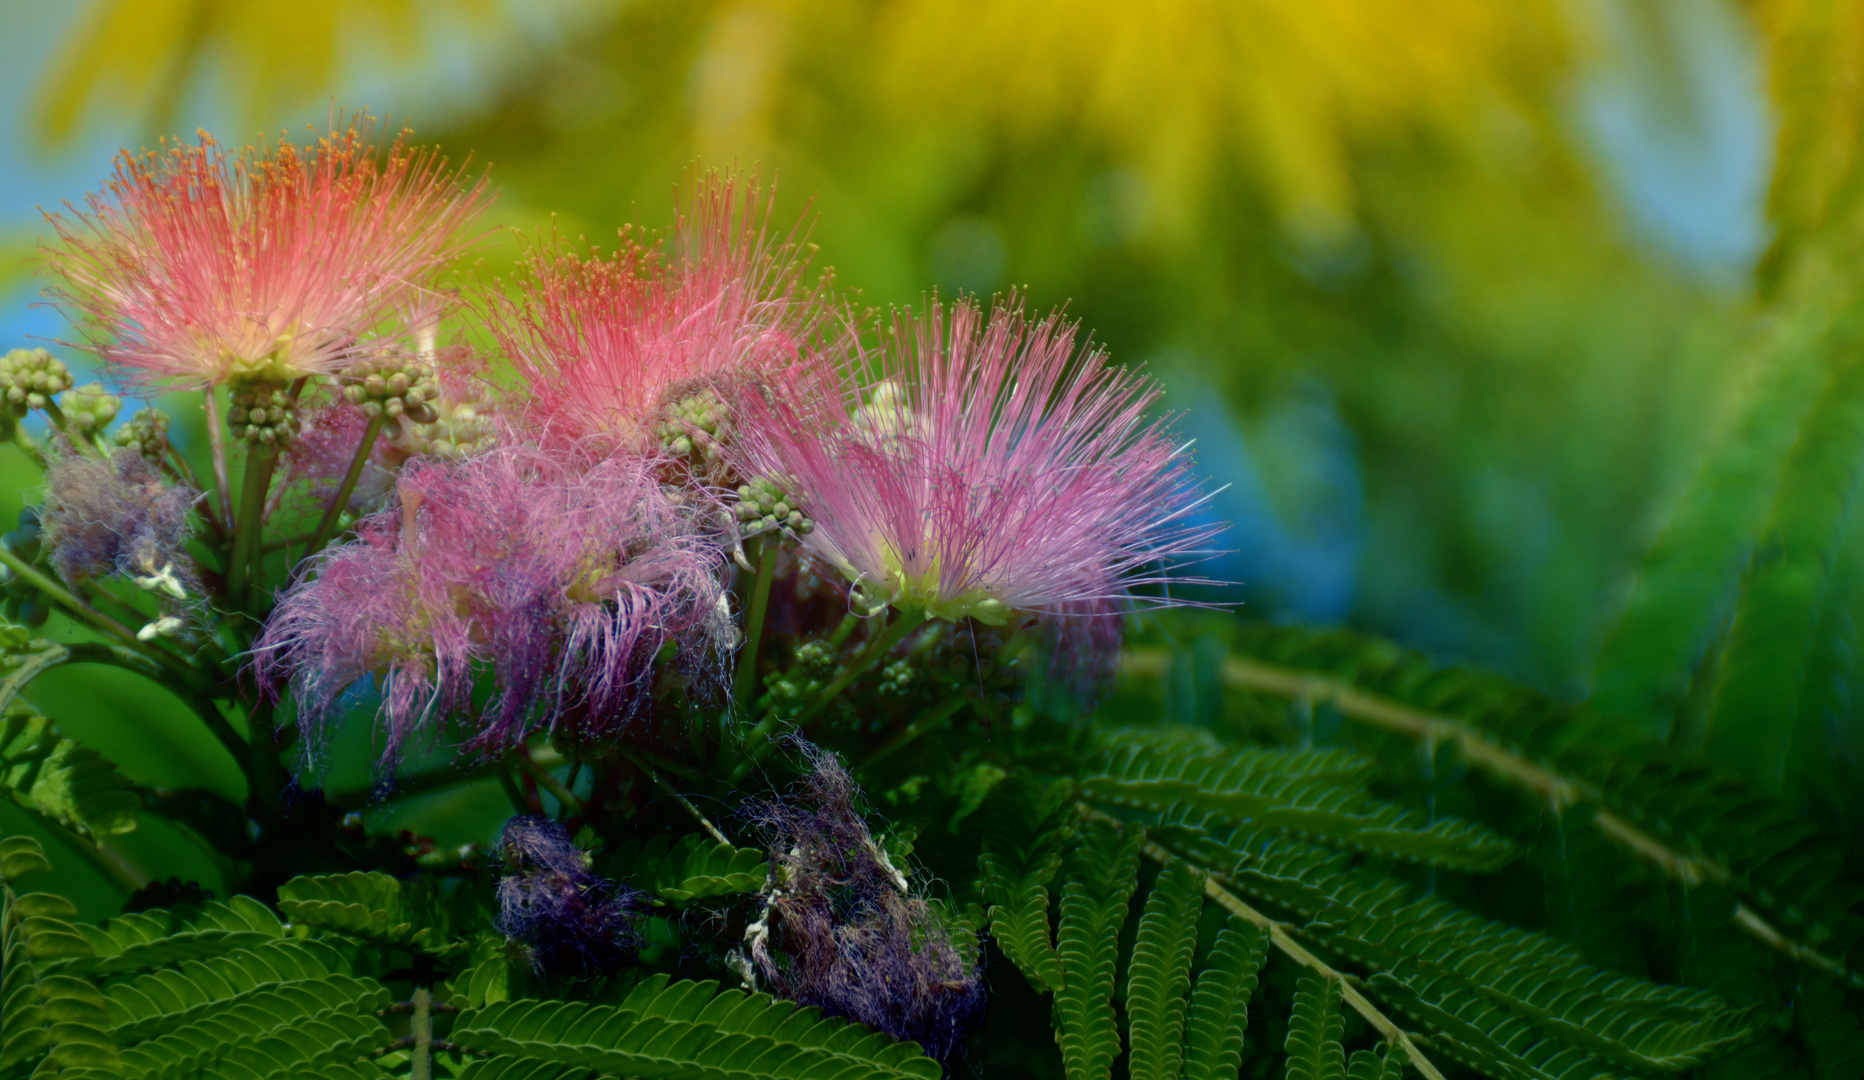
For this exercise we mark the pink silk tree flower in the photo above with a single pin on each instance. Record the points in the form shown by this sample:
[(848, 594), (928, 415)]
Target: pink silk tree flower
[(607, 346), (986, 471), (198, 267), (563, 581)]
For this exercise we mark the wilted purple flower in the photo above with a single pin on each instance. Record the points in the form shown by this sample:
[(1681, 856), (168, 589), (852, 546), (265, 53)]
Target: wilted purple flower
[(118, 516), (842, 928), (564, 578), (574, 922), (993, 472)]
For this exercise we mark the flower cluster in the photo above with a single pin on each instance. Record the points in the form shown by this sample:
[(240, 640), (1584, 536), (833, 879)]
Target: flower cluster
[(988, 469), (566, 578), (200, 267), (843, 928), (573, 921), (117, 516), (631, 349), (577, 532)]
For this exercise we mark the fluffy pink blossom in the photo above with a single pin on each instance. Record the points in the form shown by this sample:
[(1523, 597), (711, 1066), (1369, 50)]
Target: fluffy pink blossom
[(564, 581), (607, 344), (986, 470), (202, 267)]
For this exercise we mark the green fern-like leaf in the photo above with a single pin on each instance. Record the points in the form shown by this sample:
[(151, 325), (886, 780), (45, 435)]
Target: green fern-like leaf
[(151, 939), (372, 906), (1705, 823), (315, 1046), (516, 1068), (690, 1031), (697, 868), (1023, 837), (1315, 1028), (1159, 976), (1504, 1000), (147, 1005), (487, 982), (1370, 1065), (1102, 877), (1220, 1002), (202, 1038), (1643, 667), (59, 1021), (1291, 792), (51, 775), (1752, 721)]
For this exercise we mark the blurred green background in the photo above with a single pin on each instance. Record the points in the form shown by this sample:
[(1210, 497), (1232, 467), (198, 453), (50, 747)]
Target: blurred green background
[(1463, 300)]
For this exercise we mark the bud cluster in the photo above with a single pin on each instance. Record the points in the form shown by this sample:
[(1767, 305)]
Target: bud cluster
[(30, 378), (763, 507), (146, 432), (401, 390), (90, 408), (263, 413), (692, 426), (898, 678), (460, 431)]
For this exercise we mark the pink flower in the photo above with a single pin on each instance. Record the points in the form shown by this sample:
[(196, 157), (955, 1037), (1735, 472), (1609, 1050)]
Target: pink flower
[(203, 268), (565, 581), (990, 471), (607, 345)]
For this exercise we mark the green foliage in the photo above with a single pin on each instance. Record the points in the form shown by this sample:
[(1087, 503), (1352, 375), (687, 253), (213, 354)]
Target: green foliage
[(1688, 821), (372, 906), (1025, 831), (1367, 1065), (51, 775), (1293, 793), (151, 939), (696, 868), (1159, 976), (1102, 873), (1219, 1013), (60, 1019), (1314, 1030), (680, 1030)]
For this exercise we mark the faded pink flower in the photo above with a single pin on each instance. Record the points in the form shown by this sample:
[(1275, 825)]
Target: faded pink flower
[(606, 345), (201, 267), (988, 471), (564, 581)]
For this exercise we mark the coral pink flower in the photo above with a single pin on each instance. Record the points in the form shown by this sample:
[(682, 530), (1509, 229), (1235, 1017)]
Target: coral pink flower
[(606, 345), (991, 470), (202, 267), (564, 581)]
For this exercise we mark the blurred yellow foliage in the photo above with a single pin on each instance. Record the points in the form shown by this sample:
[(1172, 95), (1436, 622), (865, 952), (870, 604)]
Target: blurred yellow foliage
[(1172, 88), (140, 57), (1815, 62), (1173, 84)]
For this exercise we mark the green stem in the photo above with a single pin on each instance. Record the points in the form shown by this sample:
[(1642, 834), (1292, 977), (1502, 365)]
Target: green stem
[(904, 624), (74, 604), (505, 781), (744, 684), (265, 777), (546, 780), (660, 783), (258, 477), (928, 720), (327, 525), (421, 1025), (217, 442), (56, 417), (27, 446)]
